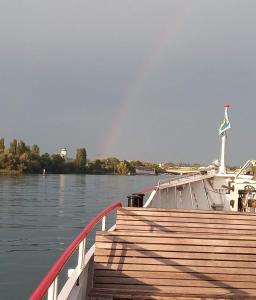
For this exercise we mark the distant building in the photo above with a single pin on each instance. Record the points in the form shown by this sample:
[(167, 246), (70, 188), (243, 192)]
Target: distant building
[(145, 171), (63, 152)]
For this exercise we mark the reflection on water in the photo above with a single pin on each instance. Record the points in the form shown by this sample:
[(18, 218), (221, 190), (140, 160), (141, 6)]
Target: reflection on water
[(61, 194), (40, 215)]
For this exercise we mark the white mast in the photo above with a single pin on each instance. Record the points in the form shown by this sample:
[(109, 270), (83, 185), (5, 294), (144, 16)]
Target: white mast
[(222, 168), (222, 132)]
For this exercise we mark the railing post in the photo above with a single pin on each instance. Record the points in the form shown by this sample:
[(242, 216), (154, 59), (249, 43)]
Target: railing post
[(50, 287), (81, 254), (103, 227), (53, 290)]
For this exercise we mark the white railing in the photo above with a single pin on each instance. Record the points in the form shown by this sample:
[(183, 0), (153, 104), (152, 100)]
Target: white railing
[(181, 180)]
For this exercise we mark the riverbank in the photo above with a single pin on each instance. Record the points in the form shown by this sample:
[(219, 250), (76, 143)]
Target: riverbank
[(10, 172)]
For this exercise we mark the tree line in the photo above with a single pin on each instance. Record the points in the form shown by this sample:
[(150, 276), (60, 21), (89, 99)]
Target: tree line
[(22, 158)]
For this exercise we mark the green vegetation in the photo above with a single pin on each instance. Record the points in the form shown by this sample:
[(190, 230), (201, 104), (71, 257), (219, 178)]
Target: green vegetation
[(113, 165), (21, 158)]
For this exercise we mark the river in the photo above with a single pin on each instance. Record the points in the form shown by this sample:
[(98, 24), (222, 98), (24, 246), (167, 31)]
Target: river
[(41, 215)]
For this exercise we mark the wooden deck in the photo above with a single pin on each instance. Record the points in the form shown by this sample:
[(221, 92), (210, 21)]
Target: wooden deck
[(174, 254)]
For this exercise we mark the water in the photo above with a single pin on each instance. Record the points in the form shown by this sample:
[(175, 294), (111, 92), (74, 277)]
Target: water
[(41, 215)]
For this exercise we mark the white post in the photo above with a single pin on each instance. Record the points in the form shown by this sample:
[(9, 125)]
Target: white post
[(175, 191), (53, 290), (81, 254), (103, 227), (222, 169), (191, 195)]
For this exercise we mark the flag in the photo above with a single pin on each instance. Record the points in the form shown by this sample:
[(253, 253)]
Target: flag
[(225, 124)]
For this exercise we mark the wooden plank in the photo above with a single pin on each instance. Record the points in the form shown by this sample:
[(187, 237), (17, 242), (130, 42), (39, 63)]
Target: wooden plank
[(150, 228), (174, 275), (175, 241), (169, 268), (163, 295), (120, 294), (182, 248), (177, 235), (159, 283), (181, 224), (209, 214), (169, 254), (185, 219), (146, 295), (207, 291), (179, 210), (167, 298), (174, 262)]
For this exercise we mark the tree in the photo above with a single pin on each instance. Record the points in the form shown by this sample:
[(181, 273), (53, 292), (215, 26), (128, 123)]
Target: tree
[(13, 147), (57, 164), (2, 147), (111, 164), (122, 168), (81, 158), (21, 148), (3, 160), (12, 162), (33, 166), (96, 167), (135, 164), (46, 162), (70, 166), (35, 150)]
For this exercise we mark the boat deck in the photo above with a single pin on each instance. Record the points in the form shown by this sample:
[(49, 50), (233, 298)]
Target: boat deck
[(175, 254)]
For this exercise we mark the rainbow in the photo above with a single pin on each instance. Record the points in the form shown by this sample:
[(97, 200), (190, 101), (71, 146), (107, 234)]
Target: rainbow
[(145, 69)]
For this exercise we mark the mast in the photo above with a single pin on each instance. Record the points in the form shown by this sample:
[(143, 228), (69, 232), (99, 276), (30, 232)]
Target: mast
[(223, 134), (222, 168)]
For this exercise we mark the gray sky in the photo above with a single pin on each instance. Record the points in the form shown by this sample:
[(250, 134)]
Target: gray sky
[(137, 79)]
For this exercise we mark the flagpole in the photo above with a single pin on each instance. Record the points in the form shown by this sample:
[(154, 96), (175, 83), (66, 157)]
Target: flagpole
[(222, 168)]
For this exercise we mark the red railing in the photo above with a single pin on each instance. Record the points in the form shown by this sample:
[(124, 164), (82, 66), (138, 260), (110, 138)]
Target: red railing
[(58, 266)]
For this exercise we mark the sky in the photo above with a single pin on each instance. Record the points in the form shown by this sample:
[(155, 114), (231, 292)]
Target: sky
[(134, 79)]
